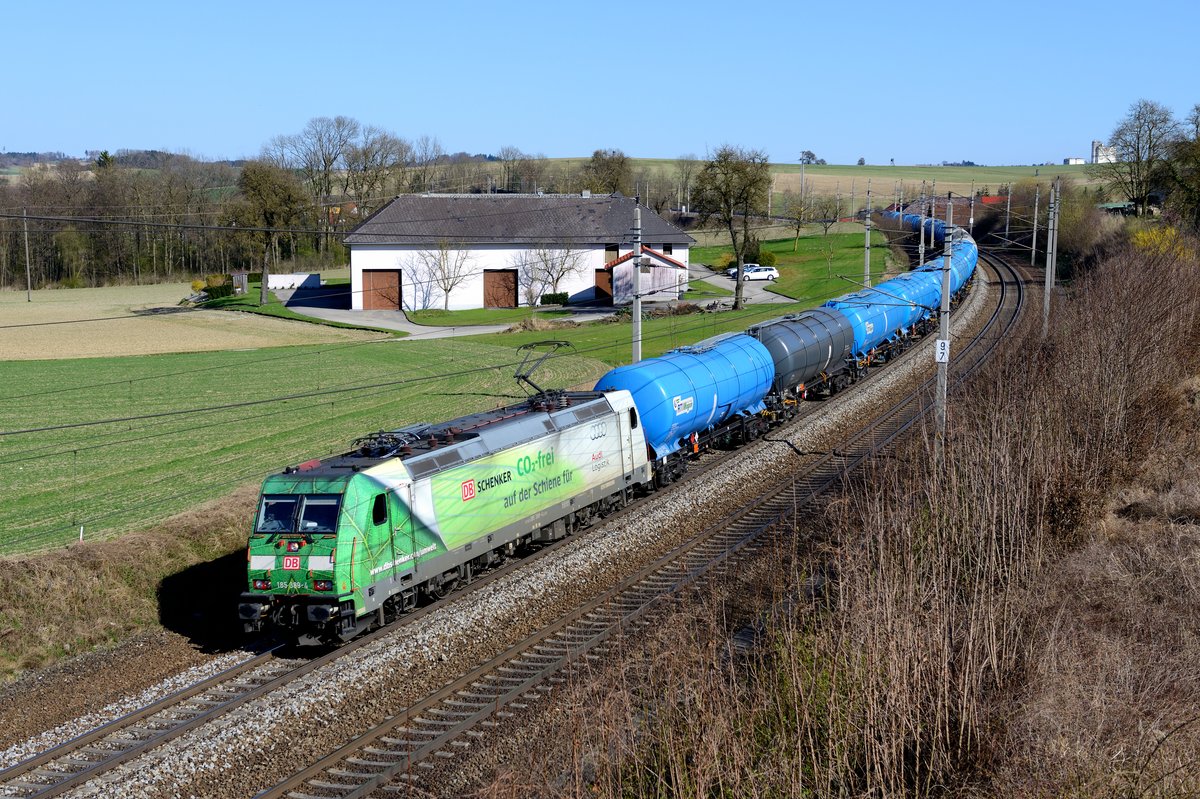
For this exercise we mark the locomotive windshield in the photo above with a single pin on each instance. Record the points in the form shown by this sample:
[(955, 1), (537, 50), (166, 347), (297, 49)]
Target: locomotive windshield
[(298, 513)]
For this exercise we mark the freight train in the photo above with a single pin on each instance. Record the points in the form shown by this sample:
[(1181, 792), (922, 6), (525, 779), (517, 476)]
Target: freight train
[(345, 543)]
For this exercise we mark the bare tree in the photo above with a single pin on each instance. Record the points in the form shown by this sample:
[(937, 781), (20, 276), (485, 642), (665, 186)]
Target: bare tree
[(530, 278), (319, 152), (798, 207), (557, 262), (375, 160), (426, 153), (686, 168), (1184, 200), (509, 157), (444, 267), (530, 170), (418, 283), (463, 172), (825, 212), (1141, 141), (731, 187)]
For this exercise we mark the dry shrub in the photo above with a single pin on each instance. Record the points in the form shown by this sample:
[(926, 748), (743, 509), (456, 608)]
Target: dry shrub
[(979, 637), (538, 324)]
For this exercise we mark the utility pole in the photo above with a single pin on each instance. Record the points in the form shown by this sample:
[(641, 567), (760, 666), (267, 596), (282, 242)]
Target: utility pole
[(921, 212), (1037, 195), (942, 346), (1051, 253), (28, 279), (971, 215), (1007, 213), (867, 246), (637, 282)]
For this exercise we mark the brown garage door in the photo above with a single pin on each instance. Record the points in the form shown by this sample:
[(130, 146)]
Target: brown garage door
[(381, 290), (500, 288), (604, 287)]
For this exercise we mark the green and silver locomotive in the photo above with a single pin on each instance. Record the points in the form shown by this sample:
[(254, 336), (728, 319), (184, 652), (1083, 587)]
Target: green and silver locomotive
[(344, 543)]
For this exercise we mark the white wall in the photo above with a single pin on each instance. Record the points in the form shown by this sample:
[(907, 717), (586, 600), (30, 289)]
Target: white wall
[(293, 281), (469, 294)]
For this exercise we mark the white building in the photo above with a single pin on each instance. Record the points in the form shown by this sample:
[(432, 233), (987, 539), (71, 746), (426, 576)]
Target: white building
[(1102, 154), (1072, 161), (504, 250)]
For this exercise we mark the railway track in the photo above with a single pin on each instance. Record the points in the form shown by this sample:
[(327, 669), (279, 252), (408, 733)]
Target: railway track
[(64, 767), (449, 720), (400, 751)]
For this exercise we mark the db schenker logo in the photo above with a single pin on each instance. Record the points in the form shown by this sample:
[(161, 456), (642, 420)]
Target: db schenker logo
[(468, 490)]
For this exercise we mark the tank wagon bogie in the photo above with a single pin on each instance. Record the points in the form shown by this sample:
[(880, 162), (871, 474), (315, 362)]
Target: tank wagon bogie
[(345, 543)]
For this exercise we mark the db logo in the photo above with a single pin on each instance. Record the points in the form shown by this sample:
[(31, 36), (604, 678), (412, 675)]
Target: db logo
[(291, 562), (468, 490)]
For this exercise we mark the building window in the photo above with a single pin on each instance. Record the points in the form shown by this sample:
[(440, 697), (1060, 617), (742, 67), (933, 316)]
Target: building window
[(611, 251), (666, 249)]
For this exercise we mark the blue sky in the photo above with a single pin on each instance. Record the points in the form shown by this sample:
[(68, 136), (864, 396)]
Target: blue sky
[(1008, 82)]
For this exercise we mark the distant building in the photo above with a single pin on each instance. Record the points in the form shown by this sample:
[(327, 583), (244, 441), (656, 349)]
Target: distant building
[(1072, 161), (1102, 154), (494, 242)]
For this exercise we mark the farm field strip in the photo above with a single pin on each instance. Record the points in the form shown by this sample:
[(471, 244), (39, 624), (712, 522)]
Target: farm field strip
[(139, 320)]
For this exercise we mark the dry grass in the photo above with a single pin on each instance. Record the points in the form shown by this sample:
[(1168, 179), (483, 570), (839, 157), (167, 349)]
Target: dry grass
[(68, 600), (139, 320), (1001, 630), (538, 324)]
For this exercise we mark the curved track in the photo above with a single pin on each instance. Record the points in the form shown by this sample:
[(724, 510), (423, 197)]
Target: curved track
[(401, 750)]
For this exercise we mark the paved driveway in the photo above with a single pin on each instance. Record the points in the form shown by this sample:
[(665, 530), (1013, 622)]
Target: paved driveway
[(332, 304), (755, 292)]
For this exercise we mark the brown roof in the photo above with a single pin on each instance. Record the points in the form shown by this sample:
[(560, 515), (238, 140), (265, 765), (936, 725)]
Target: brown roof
[(512, 219)]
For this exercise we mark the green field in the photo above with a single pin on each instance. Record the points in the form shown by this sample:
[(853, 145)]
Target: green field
[(312, 402), (813, 268)]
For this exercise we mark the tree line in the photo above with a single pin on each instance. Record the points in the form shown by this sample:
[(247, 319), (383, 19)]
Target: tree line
[(148, 216)]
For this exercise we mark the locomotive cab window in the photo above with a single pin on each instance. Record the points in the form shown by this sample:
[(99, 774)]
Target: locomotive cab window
[(277, 514), (379, 510), (633, 419), (318, 513)]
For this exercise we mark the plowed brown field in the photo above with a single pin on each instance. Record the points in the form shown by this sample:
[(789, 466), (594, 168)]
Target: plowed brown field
[(139, 320)]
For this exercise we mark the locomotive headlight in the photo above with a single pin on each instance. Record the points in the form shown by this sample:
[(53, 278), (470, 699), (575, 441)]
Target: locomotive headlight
[(322, 585), (262, 585), (293, 546)]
